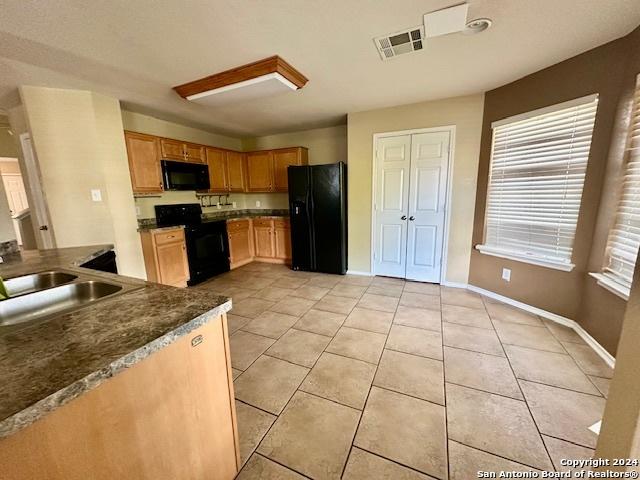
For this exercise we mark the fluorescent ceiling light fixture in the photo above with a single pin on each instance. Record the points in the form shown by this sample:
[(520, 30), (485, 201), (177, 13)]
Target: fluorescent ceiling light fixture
[(445, 21), (258, 79)]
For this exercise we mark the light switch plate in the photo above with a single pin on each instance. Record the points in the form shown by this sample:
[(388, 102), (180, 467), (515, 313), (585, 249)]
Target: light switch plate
[(258, 203), (137, 211), (506, 274), (96, 195)]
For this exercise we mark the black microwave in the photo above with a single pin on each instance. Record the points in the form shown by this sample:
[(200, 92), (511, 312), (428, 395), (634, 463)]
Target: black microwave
[(184, 176)]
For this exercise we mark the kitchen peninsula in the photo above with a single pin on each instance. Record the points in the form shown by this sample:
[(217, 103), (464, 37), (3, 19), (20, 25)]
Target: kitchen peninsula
[(135, 385)]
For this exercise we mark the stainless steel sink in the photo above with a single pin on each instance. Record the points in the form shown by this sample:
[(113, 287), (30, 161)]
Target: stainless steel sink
[(44, 304), (37, 281)]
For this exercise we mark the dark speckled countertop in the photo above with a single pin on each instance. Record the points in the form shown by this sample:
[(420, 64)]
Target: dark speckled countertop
[(215, 216), (44, 365)]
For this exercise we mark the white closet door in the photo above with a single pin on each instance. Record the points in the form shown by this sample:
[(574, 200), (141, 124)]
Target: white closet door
[(427, 197), (393, 160)]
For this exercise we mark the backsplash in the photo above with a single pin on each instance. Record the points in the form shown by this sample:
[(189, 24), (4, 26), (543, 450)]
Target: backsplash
[(145, 205), (150, 223)]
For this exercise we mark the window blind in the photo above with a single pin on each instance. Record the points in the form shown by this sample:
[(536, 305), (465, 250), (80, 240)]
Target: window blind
[(538, 166), (624, 237)]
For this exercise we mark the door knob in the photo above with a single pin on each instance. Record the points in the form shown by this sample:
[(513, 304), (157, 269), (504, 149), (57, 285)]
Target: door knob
[(403, 217), (412, 218)]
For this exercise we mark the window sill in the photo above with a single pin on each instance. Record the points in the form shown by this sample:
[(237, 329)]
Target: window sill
[(495, 252), (610, 284)]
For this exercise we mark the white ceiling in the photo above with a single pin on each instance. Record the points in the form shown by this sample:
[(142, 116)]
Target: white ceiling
[(137, 50)]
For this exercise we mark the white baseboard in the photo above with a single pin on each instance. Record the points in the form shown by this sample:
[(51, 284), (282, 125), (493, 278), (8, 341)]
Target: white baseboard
[(567, 322), (356, 272), (446, 283)]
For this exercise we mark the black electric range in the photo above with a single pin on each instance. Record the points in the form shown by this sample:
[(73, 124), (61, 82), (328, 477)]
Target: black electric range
[(207, 242)]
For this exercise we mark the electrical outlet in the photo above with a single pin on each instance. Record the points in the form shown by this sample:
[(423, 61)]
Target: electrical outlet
[(234, 204), (258, 203), (506, 274), (96, 195), (137, 211), (218, 206)]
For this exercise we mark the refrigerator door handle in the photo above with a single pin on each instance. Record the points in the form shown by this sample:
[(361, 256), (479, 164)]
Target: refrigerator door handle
[(312, 237)]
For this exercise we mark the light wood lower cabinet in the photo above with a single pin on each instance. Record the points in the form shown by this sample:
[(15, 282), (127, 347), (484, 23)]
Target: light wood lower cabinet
[(165, 256), (282, 239), (263, 239), (240, 242), (170, 416)]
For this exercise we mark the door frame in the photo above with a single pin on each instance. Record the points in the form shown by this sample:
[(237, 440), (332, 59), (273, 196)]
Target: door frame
[(39, 209), (451, 129)]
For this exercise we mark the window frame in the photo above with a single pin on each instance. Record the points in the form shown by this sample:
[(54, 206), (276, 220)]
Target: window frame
[(606, 279), (525, 257)]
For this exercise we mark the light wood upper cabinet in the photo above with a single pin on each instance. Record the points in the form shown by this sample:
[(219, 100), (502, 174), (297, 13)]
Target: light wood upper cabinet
[(236, 172), (165, 256), (282, 158), (260, 171), (282, 239), (172, 149), (229, 171), (144, 162), (217, 163), (195, 153), (182, 151)]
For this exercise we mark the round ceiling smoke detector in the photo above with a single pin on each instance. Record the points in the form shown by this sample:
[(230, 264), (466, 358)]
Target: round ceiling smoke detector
[(476, 26)]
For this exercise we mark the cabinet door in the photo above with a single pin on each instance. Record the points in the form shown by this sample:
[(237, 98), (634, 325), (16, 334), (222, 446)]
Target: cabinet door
[(260, 171), (239, 246), (216, 160), (282, 239), (143, 152), (281, 160), (263, 238), (195, 153), (172, 264), (172, 149), (236, 172)]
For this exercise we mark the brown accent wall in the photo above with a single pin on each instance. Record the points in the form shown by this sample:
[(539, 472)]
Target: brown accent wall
[(603, 70)]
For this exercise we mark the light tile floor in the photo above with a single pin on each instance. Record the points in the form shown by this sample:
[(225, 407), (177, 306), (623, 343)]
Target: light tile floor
[(361, 378)]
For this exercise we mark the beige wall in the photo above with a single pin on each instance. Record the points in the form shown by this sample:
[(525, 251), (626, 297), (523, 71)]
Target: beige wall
[(78, 140), (326, 145), (463, 112), (137, 122), (604, 70)]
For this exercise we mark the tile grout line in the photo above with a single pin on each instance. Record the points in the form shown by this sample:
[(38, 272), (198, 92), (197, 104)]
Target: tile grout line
[(284, 408), (444, 391), (366, 400), (525, 400)]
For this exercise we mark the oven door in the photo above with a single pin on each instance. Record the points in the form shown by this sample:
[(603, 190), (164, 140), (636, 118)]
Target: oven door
[(184, 176), (207, 250)]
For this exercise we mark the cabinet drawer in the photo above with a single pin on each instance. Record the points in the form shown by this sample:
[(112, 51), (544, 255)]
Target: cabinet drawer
[(170, 236), (237, 225), (281, 223), (262, 222)]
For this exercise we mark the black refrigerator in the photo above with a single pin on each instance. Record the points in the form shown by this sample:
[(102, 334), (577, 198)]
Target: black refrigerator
[(318, 211)]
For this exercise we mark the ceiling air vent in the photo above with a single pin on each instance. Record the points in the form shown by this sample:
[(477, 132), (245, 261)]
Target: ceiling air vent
[(399, 43)]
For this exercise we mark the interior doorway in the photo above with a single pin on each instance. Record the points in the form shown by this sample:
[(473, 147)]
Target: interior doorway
[(16, 198), (410, 198)]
